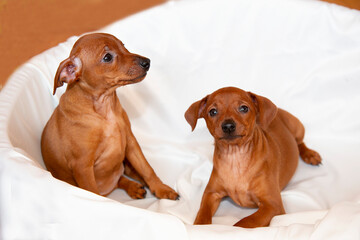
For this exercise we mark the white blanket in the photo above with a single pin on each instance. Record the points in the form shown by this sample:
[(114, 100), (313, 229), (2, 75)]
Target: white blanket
[(303, 55)]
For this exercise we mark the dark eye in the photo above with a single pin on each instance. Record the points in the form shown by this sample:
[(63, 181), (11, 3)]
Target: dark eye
[(213, 112), (243, 109), (108, 57)]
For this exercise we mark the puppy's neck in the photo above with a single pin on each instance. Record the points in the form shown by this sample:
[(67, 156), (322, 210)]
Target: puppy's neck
[(235, 157), (229, 151), (106, 104), (92, 100)]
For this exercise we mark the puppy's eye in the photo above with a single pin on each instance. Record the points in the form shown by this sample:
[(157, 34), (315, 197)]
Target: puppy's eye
[(108, 58), (243, 109), (213, 112)]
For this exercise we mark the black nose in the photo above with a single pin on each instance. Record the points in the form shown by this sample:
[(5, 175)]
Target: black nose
[(228, 126), (144, 63)]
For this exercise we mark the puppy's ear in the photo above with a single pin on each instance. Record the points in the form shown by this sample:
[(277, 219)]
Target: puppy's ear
[(195, 111), (68, 71), (266, 110)]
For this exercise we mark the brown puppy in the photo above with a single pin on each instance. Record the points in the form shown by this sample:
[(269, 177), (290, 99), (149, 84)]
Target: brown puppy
[(257, 147), (88, 140)]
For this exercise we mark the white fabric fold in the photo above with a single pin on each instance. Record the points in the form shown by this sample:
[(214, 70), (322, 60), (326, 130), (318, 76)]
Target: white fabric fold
[(303, 55)]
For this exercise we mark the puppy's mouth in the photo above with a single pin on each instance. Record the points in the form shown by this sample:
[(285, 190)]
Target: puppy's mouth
[(138, 79), (134, 80), (231, 137)]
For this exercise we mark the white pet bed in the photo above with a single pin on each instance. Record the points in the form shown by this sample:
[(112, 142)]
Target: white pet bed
[(303, 55)]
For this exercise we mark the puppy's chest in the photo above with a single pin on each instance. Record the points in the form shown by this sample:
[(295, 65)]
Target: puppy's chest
[(113, 135), (236, 175), (113, 124)]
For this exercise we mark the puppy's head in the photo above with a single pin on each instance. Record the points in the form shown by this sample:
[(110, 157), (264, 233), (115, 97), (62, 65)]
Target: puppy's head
[(100, 61), (231, 114)]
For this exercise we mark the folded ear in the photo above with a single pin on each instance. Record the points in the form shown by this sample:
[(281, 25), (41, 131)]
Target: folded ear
[(266, 110), (68, 71), (195, 111)]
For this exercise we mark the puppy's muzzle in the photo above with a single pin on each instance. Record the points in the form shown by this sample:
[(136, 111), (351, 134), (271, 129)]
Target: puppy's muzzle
[(228, 126), (144, 63)]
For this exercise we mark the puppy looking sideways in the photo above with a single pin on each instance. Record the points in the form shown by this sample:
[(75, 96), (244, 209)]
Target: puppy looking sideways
[(257, 147), (88, 141)]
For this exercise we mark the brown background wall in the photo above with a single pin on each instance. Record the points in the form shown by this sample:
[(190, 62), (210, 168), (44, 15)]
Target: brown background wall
[(28, 27)]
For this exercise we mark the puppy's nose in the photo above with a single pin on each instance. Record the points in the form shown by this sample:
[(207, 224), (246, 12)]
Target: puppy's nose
[(228, 126), (144, 63)]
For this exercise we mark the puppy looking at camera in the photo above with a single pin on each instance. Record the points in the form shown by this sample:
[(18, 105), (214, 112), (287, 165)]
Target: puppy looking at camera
[(257, 147)]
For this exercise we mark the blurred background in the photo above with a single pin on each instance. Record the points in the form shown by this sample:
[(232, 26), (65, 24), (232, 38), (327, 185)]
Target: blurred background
[(29, 27)]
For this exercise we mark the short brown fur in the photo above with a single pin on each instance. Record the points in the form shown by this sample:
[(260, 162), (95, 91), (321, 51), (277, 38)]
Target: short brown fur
[(257, 147), (88, 141)]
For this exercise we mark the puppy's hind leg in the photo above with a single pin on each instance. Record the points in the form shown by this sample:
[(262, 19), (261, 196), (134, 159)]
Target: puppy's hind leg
[(298, 131), (134, 189), (308, 155), (132, 173)]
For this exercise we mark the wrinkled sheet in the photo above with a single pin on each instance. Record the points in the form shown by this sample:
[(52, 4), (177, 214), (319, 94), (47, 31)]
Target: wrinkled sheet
[(303, 55)]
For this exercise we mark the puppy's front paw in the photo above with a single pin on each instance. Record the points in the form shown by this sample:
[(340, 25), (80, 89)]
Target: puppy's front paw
[(252, 222), (200, 220), (246, 224), (311, 157), (164, 191)]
